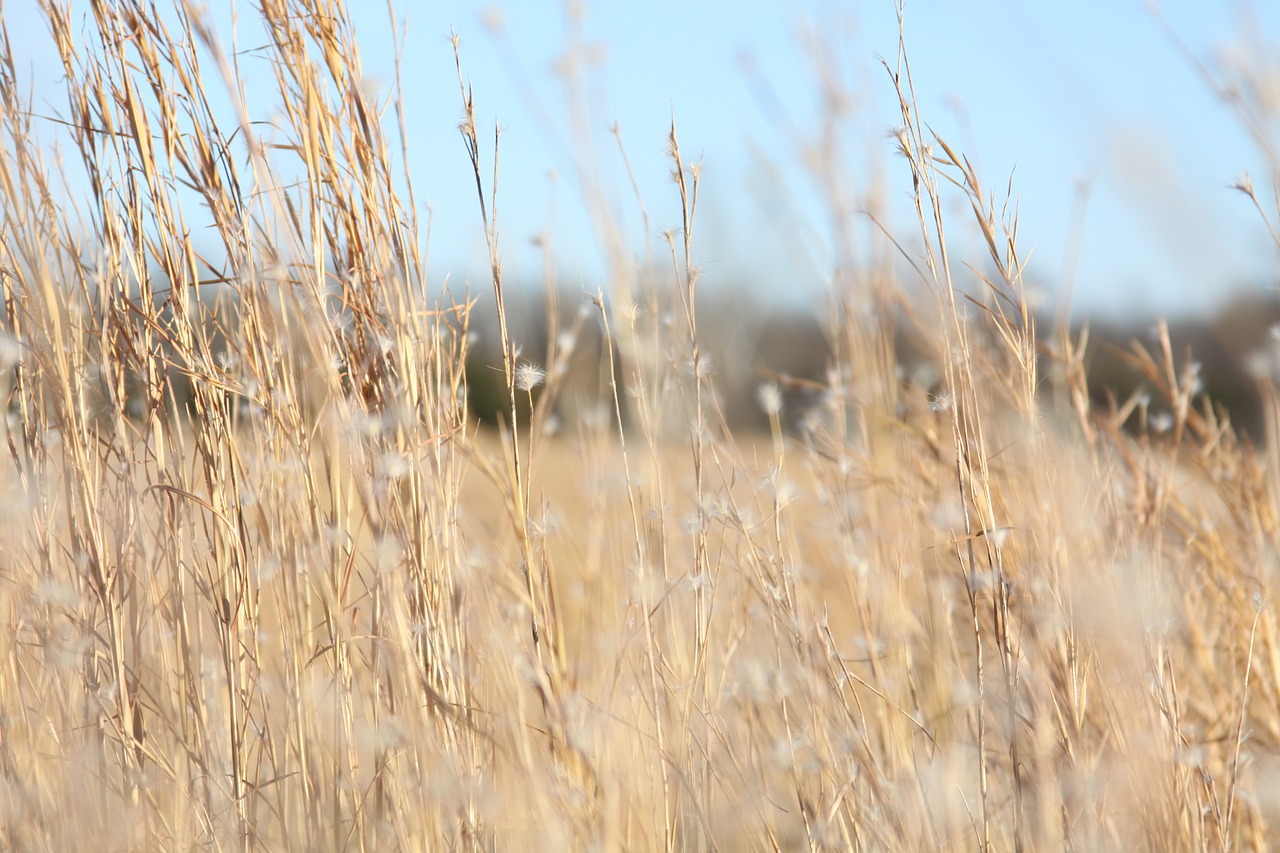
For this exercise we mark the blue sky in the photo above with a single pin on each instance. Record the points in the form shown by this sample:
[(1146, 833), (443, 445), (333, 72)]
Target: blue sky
[(1090, 93)]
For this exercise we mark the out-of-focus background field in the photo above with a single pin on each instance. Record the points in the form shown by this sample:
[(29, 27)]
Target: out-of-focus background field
[(307, 543)]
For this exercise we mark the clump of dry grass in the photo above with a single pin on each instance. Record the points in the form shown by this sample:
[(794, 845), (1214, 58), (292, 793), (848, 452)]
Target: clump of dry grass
[(323, 611)]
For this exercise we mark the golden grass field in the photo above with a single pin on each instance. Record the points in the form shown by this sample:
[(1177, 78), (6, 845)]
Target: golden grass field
[(264, 584)]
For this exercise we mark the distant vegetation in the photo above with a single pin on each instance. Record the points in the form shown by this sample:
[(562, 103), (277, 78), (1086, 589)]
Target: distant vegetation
[(1234, 354)]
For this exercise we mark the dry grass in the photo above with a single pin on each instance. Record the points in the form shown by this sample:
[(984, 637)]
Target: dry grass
[(264, 586)]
